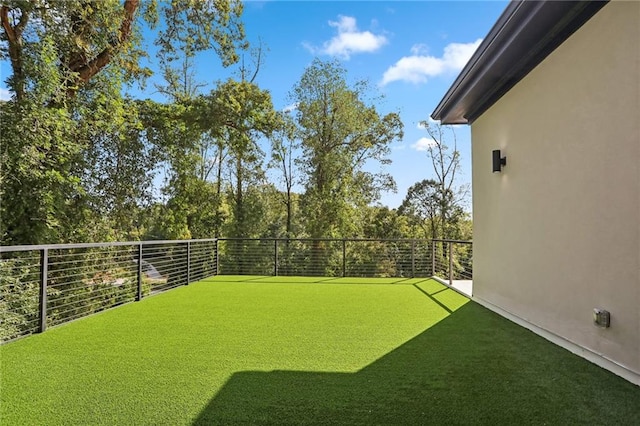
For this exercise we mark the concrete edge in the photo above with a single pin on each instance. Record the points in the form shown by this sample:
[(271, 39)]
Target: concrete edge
[(446, 283)]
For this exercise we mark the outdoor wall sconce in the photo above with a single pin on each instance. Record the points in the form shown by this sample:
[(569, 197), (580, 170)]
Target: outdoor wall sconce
[(498, 162)]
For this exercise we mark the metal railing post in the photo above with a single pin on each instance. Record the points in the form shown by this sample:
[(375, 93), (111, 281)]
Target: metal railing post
[(275, 257), (188, 262), (139, 292), (44, 276), (344, 258), (413, 258), (433, 258), (216, 258), (450, 263)]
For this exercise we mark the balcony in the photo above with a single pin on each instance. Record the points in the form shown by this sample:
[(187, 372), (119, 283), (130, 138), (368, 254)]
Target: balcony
[(242, 338)]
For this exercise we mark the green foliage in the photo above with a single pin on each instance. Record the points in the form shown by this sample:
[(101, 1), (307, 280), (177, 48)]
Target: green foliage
[(248, 113), (436, 206), (384, 223), (55, 48), (167, 127), (422, 206), (119, 164), (194, 26), (40, 153), (339, 131), (78, 161), (19, 290), (283, 145), (82, 162), (86, 281)]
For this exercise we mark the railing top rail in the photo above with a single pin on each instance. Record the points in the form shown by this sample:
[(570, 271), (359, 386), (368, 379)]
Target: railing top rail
[(453, 241), (325, 239), (7, 249)]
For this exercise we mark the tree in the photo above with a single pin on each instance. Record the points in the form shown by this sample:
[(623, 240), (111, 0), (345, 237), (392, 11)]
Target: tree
[(40, 154), (436, 205), (340, 131), (248, 114), (203, 136), (422, 203), (83, 37), (384, 223), (446, 164), (80, 38), (192, 206), (283, 145), (69, 62)]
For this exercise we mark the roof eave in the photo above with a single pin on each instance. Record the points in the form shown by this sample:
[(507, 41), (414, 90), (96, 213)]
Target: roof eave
[(525, 34)]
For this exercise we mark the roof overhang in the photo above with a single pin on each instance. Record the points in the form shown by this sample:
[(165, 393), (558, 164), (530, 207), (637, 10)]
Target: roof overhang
[(525, 34)]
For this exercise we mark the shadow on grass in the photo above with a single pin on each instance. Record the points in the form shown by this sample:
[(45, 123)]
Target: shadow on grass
[(473, 367), (433, 299)]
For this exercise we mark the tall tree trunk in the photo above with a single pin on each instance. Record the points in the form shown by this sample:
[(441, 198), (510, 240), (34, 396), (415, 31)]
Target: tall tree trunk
[(15, 41), (288, 203), (218, 193)]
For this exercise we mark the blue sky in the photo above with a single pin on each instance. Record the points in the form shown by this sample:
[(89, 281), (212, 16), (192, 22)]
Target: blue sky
[(410, 50)]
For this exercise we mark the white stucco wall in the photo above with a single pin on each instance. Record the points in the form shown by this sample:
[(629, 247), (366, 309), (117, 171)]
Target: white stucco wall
[(557, 233)]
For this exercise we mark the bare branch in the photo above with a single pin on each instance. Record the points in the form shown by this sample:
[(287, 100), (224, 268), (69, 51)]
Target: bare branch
[(258, 62)]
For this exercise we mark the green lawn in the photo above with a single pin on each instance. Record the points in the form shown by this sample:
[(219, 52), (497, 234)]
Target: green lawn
[(239, 350)]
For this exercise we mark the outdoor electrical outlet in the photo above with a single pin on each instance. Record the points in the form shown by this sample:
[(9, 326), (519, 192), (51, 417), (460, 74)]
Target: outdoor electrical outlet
[(601, 318)]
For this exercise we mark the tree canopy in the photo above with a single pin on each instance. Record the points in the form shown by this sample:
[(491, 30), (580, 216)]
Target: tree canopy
[(339, 132), (83, 161)]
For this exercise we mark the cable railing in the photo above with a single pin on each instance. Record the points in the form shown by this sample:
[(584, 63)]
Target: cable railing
[(452, 260), (47, 285), (325, 257), (446, 259)]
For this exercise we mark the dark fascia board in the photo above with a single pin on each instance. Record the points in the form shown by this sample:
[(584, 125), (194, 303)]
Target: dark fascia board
[(525, 34)]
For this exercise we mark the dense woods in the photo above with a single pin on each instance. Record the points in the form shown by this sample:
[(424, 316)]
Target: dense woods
[(83, 160)]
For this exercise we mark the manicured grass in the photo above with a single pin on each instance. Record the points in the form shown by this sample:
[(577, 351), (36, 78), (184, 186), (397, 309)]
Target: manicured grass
[(238, 350)]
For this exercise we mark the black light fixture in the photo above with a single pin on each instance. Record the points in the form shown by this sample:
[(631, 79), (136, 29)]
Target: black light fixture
[(498, 161)]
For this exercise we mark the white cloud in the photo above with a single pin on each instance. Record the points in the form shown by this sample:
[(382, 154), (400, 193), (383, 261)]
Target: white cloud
[(349, 40), (419, 67), (5, 95), (290, 108), (346, 24), (423, 144), (419, 49), (456, 55), (414, 69)]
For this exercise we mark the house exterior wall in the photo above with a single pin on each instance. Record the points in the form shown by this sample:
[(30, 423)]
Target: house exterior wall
[(557, 233)]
